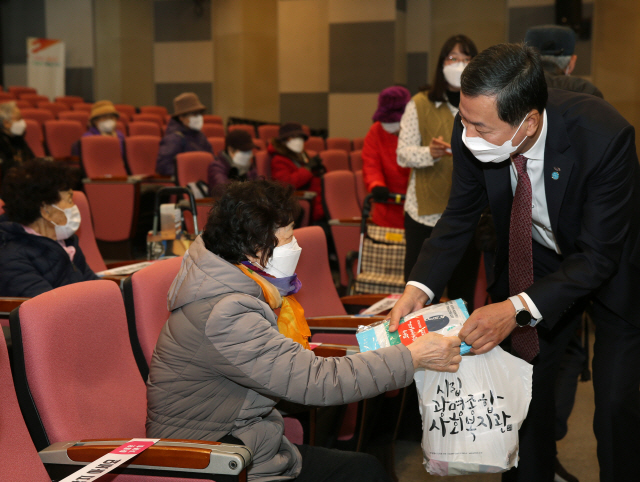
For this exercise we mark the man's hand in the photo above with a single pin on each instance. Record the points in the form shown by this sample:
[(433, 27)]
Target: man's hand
[(411, 300), (436, 352), (488, 326)]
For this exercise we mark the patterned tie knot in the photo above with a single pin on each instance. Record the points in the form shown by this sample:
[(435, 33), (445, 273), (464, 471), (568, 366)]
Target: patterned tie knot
[(521, 164)]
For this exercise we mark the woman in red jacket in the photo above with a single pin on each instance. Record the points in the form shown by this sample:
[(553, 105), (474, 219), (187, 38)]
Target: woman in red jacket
[(382, 174), (291, 165)]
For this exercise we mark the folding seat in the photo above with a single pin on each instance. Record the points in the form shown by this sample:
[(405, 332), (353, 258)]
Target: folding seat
[(213, 130), (217, 143), (34, 137), (137, 128), (18, 89), (60, 136), (39, 115), (314, 143), (339, 143), (76, 379), (126, 108), (344, 212), (54, 107), (23, 104), (76, 115), (34, 98), (154, 109), (101, 157), (6, 97), (147, 118), (245, 127), (84, 106), (193, 167), (306, 130), (122, 127), (358, 143), (267, 132), (335, 159), (263, 164), (69, 100), (86, 235), (355, 160), (361, 189), (212, 119), (260, 145), (142, 153)]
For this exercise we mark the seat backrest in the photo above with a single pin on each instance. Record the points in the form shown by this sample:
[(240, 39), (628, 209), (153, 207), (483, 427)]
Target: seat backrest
[(78, 364), (34, 98), (75, 115), (148, 118), (20, 89), (69, 100), (358, 143), (335, 159), (121, 127), (315, 143), (101, 156), (361, 189), (61, 135), (339, 195), (139, 128), (217, 143), (154, 109), (355, 160), (20, 460), (260, 144), (212, 119), (192, 166), (34, 137), (244, 127), (83, 106), (142, 152), (39, 115), (268, 131), (263, 164), (339, 143), (114, 209), (7, 97), (54, 107), (213, 130), (126, 108), (318, 295), (145, 299), (86, 236)]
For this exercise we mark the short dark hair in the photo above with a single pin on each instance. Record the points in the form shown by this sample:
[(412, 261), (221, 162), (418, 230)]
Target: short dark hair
[(513, 74), (245, 219), (436, 94), (35, 183)]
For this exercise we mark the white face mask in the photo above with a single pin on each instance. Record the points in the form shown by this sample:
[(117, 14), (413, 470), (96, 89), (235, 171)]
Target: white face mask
[(284, 260), (18, 127), (484, 151), (391, 127), (196, 122), (107, 126), (65, 231), (296, 144), (453, 72), (242, 159)]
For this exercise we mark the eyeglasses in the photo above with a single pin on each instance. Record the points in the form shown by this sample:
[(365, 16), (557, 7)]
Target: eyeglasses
[(451, 58)]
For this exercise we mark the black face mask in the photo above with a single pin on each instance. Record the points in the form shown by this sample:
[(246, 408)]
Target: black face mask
[(454, 98)]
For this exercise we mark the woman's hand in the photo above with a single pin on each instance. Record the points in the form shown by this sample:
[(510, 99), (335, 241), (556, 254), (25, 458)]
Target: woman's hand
[(438, 147), (436, 352)]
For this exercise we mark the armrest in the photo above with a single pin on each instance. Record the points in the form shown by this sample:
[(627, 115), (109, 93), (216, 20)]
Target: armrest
[(204, 200), (330, 350), (363, 300), (341, 323), (115, 279), (355, 221), (118, 264), (191, 457), (308, 195), (8, 304)]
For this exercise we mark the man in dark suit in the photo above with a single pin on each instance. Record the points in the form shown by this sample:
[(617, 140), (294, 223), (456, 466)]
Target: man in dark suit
[(561, 176)]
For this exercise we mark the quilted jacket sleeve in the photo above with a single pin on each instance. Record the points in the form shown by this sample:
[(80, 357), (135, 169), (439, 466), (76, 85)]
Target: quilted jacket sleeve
[(259, 357), (20, 277)]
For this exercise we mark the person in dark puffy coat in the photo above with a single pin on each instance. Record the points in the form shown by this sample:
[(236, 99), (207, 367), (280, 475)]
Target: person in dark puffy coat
[(38, 248), (14, 149), (234, 163), (183, 134)]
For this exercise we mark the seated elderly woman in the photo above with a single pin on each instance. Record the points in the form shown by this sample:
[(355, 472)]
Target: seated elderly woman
[(14, 149), (38, 248), (223, 360)]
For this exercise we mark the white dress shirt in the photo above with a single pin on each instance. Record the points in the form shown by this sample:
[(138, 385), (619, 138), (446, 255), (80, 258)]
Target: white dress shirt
[(541, 224)]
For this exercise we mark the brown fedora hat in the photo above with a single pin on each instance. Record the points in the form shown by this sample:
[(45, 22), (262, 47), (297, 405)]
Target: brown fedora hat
[(187, 102)]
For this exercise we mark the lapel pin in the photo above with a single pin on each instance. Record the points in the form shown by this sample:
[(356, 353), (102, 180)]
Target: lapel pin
[(555, 176)]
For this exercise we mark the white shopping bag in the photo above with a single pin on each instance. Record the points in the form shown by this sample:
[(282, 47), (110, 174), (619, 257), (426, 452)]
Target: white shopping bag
[(471, 418)]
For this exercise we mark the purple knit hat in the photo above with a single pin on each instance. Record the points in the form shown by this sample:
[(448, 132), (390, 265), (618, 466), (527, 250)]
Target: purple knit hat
[(391, 104)]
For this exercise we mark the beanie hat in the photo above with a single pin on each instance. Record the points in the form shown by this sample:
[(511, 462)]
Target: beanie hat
[(551, 39), (103, 107), (185, 103), (391, 104), (291, 129), (239, 140)]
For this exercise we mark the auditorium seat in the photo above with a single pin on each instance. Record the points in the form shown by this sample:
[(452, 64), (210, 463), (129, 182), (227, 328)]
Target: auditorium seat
[(101, 157), (154, 109), (361, 189), (339, 143), (137, 128), (245, 127), (34, 137), (263, 164), (60, 136), (192, 166), (69, 100), (213, 130), (23, 104), (212, 119), (126, 108), (260, 145), (86, 235), (267, 132), (76, 115), (314, 143), (19, 89), (335, 159), (355, 160), (122, 128), (54, 107), (306, 130), (147, 118), (34, 98), (39, 115), (142, 153), (84, 106), (217, 143), (358, 143), (7, 97)]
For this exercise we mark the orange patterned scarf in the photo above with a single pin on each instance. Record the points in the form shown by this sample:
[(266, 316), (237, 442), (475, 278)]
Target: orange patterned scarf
[(291, 321)]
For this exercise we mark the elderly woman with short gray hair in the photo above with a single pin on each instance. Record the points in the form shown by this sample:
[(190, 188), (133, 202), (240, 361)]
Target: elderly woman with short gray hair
[(14, 149)]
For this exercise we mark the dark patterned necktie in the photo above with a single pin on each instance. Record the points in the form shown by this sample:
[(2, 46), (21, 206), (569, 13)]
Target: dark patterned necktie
[(524, 341)]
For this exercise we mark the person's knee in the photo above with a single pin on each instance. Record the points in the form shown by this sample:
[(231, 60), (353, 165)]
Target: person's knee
[(366, 467)]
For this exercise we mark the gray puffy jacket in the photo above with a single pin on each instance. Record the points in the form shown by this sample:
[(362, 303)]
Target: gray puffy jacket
[(220, 366)]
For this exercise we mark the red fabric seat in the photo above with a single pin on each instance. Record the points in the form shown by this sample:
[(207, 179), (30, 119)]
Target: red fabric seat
[(113, 208), (192, 166), (314, 144), (212, 119), (355, 160), (217, 143), (154, 109), (19, 89), (122, 127), (358, 143), (268, 132), (69, 100), (54, 107), (138, 128), (245, 127), (34, 137), (148, 118), (61, 135), (33, 98), (76, 115), (335, 160), (83, 106), (86, 236), (361, 189), (101, 156), (263, 166), (7, 97), (142, 153), (260, 145), (39, 115), (126, 108), (339, 143), (213, 130)]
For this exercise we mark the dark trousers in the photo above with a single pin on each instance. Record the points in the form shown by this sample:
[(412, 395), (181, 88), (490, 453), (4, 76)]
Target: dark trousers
[(415, 233), (320, 464)]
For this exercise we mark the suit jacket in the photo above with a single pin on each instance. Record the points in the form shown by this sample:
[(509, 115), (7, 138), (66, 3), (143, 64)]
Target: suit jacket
[(594, 208)]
